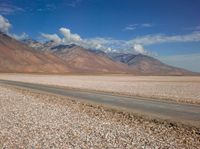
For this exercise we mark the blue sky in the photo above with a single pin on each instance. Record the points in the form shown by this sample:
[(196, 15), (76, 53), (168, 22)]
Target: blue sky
[(164, 29)]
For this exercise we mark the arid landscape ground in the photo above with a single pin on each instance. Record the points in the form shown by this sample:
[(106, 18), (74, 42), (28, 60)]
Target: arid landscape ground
[(176, 88), (99, 74), (35, 120), (31, 119)]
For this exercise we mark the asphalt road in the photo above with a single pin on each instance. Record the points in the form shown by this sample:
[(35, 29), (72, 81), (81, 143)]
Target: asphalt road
[(155, 109)]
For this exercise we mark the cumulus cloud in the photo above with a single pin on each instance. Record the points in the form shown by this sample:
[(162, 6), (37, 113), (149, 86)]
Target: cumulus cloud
[(73, 38), (138, 48), (68, 36), (98, 43), (19, 37), (52, 37), (136, 45), (4, 24)]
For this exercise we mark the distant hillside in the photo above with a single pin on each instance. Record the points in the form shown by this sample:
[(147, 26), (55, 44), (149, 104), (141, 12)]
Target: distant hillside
[(84, 60), (146, 65), (47, 58), (17, 57)]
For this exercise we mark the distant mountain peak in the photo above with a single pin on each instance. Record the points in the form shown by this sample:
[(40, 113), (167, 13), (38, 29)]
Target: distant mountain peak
[(83, 59), (17, 57), (147, 65)]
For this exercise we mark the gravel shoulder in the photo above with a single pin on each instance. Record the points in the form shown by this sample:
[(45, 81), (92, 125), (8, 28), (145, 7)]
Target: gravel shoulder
[(37, 120)]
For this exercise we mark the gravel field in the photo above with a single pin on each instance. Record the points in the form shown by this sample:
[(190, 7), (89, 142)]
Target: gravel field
[(35, 120), (181, 89)]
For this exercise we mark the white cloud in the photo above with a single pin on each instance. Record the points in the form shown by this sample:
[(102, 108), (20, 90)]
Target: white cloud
[(5, 27), (130, 27), (4, 24), (146, 25), (135, 45), (159, 38), (125, 45), (19, 37), (9, 8), (69, 37), (136, 26), (72, 38), (138, 48), (53, 37), (97, 43)]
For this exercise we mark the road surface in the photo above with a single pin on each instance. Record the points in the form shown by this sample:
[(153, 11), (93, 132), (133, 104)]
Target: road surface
[(174, 112)]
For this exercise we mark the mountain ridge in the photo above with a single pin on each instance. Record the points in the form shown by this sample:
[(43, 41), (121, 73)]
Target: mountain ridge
[(30, 56), (18, 57), (148, 65)]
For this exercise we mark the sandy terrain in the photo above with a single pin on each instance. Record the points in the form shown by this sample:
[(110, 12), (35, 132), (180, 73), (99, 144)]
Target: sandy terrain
[(183, 89), (34, 120)]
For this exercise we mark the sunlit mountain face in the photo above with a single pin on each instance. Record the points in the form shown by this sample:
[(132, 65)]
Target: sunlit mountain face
[(168, 31), (29, 56), (99, 74)]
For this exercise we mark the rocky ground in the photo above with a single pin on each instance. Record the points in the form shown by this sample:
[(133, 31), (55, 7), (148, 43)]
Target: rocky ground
[(176, 88), (36, 120)]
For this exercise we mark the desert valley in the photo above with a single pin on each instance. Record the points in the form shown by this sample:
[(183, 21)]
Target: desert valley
[(35, 57), (74, 67), (66, 91)]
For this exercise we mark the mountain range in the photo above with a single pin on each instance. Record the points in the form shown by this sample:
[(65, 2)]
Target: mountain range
[(146, 65), (18, 57), (29, 56)]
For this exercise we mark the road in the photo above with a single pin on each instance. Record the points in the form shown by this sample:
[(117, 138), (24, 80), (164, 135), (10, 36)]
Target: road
[(188, 114)]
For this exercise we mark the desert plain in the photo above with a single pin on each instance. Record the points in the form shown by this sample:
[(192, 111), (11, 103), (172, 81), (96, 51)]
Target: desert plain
[(30, 119), (177, 88)]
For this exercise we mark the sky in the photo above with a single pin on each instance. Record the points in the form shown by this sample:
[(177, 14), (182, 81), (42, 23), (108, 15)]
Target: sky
[(168, 30)]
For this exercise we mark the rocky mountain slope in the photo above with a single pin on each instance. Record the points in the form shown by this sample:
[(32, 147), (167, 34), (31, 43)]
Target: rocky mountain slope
[(37, 58), (146, 65), (81, 60), (17, 57)]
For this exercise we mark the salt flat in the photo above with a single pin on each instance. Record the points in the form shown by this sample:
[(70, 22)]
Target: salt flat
[(177, 88)]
